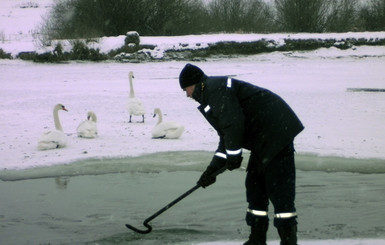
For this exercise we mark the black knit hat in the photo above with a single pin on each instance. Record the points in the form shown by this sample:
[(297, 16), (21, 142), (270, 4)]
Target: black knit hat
[(190, 75)]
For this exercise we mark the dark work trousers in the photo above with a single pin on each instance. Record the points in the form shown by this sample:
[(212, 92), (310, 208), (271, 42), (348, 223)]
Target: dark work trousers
[(274, 182)]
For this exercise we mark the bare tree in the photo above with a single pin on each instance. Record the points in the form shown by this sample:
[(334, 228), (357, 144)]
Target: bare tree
[(95, 18), (175, 17), (239, 15), (258, 17), (372, 16), (302, 15), (226, 14), (342, 16)]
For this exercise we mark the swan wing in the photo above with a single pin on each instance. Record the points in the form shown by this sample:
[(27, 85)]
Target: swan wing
[(136, 107), (87, 129), (167, 130), (52, 140), (174, 133)]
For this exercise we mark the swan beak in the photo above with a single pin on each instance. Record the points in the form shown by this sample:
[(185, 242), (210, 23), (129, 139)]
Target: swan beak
[(154, 115), (64, 109)]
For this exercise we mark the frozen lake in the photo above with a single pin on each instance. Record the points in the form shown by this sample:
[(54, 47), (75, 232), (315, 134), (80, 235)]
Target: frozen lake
[(315, 84)]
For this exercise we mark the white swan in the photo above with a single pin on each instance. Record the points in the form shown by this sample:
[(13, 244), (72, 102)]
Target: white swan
[(166, 130), (135, 106), (55, 138), (88, 128)]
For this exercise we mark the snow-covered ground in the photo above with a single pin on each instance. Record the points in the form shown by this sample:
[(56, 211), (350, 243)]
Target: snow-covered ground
[(338, 122), (314, 83), (344, 130)]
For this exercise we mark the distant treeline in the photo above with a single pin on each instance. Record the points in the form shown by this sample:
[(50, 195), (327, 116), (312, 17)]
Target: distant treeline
[(71, 19)]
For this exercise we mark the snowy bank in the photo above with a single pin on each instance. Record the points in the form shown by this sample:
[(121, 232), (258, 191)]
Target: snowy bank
[(20, 22), (198, 46)]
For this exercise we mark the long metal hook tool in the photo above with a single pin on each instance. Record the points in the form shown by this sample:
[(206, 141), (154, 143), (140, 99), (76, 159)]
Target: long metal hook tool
[(145, 223)]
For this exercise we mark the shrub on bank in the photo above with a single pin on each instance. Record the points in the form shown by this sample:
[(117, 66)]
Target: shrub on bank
[(133, 51), (4, 55), (79, 51), (72, 19)]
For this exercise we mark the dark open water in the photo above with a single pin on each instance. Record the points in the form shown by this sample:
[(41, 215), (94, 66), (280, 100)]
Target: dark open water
[(93, 209)]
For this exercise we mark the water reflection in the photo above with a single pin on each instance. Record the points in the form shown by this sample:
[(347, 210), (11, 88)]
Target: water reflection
[(62, 182)]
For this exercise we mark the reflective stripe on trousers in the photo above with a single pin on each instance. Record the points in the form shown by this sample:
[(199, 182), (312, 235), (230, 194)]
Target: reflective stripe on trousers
[(257, 212), (285, 215), (279, 215)]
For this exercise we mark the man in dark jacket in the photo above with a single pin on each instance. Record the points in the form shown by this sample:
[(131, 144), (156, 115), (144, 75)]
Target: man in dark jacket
[(250, 117)]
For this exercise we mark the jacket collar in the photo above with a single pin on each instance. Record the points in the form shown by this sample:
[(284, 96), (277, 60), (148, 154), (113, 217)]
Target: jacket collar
[(199, 88)]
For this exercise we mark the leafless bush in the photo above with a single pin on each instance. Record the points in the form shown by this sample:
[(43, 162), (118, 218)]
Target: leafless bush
[(94, 18), (372, 16), (342, 16), (71, 19), (239, 16), (302, 15)]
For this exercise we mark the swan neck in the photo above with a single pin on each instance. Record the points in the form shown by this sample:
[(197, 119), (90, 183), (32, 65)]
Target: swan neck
[(56, 119), (132, 93), (160, 117), (93, 117)]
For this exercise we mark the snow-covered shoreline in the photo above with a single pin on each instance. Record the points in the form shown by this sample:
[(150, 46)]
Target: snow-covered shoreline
[(19, 33), (163, 45)]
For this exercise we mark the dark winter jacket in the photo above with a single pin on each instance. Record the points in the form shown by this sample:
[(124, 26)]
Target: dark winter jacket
[(246, 116)]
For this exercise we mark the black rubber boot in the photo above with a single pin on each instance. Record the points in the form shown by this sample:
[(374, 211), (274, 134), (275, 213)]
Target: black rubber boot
[(288, 235), (258, 235)]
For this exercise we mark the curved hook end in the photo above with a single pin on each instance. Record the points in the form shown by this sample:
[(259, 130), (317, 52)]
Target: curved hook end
[(149, 229)]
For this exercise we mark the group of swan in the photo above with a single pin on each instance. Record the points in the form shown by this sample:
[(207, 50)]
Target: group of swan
[(56, 138), (87, 129), (162, 130)]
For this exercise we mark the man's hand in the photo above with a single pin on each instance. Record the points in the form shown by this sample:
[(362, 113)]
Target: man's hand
[(216, 166), (207, 178)]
